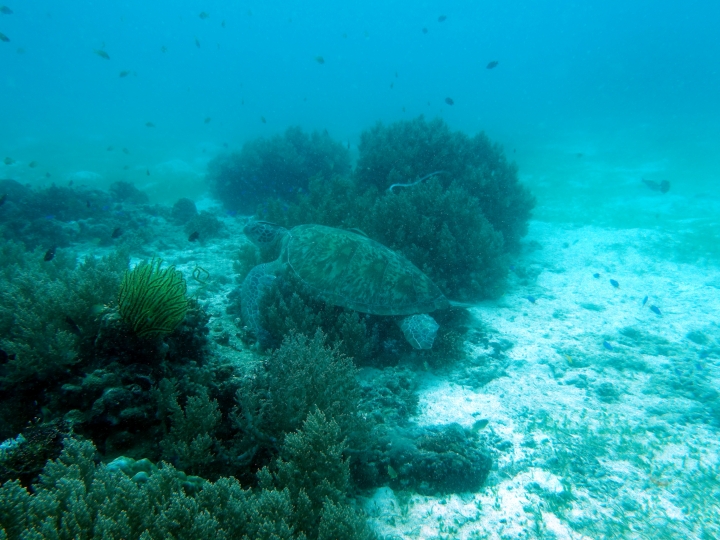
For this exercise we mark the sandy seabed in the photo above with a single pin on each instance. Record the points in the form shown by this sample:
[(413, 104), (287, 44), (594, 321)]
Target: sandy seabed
[(608, 409)]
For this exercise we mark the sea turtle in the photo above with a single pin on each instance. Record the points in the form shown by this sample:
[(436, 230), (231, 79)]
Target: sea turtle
[(343, 268)]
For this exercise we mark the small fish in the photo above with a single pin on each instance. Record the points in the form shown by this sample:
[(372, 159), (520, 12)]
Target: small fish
[(74, 328), (8, 161), (3, 199), (88, 204), (50, 217), (530, 299), (109, 149), (49, 254), (645, 300), (194, 236), (392, 85), (163, 49), (392, 473), (614, 283), (262, 119), (698, 366), (70, 183), (116, 233), (442, 18), (424, 30), (662, 187), (655, 309), (4, 357), (492, 64), (6, 10), (480, 424), (32, 164), (203, 15), (607, 346), (319, 59), (48, 175), (568, 358), (596, 275), (4, 38), (704, 354), (208, 119), (124, 73), (102, 54), (197, 43), (149, 124), (125, 151), (449, 101), (126, 167), (147, 172), (223, 23)]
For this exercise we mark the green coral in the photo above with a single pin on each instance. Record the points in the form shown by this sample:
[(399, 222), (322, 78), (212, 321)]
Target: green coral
[(277, 167), (303, 374), (151, 300), (48, 307), (77, 498)]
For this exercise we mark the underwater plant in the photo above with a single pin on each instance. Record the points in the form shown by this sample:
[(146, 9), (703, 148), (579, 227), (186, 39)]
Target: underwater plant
[(151, 300), (278, 167)]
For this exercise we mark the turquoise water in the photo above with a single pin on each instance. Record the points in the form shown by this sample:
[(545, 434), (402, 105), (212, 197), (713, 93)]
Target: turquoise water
[(587, 99)]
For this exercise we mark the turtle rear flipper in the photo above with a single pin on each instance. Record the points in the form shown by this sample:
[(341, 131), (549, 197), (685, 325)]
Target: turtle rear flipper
[(420, 330), (254, 286)]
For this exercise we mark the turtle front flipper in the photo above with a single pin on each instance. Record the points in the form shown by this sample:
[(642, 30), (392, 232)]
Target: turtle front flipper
[(254, 286), (420, 330)]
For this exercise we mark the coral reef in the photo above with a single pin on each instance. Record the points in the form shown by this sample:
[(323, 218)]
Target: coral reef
[(279, 167), (151, 300)]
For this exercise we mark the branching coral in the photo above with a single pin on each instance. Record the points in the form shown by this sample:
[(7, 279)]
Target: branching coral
[(277, 167)]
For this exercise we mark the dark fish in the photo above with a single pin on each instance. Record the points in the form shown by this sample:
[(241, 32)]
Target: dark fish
[(319, 59), (449, 101), (3, 199), (614, 283), (607, 346), (442, 18), (74, 328), (655, 310), (4, 38), (197, 43), (32, 164), (194, 236), (102, 54), (704, 354), (147, 172), (207, 120), (203, 15), (125, 151), (596, 275), (124, 73), (262, 119), (163, 48), (49, 254), (116, 233), (645, 301), (424, 30), (149, 124), (391, 85), (222, 24), (48, 175), (531, 299), (8, 161), (492, 64), (4, 357), (109, 149), (70, 183), (662, 187), (88, 204), (6, 10)]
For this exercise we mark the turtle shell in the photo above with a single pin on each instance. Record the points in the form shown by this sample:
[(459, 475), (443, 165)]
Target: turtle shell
[(348, 269)]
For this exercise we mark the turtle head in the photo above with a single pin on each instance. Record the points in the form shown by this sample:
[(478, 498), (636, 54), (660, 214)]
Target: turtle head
[(264, 234)]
